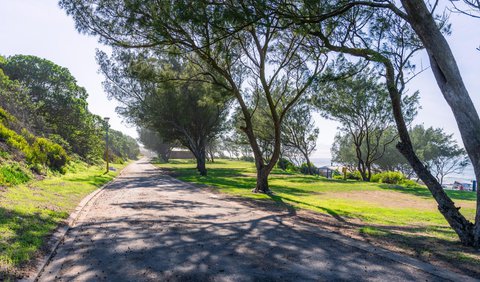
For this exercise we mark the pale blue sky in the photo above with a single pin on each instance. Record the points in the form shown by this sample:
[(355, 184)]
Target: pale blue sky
[(41, 28)]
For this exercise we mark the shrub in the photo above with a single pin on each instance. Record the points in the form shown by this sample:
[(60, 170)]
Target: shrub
[(390, 177), (13, 174), (247, 158), (353, 175), (285, 164), (304, 168), (50, 154)]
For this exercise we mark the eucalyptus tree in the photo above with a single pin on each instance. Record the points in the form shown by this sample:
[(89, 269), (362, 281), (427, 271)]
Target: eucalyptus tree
[(299, 133), (380, 32), (360, 102), (157, 93), (239, 45)]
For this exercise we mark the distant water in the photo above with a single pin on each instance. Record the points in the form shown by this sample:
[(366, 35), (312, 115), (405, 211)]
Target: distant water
[(466, 177), (318, 162)]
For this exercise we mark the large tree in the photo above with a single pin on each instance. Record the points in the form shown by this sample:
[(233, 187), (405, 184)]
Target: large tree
[(380, 32), (59, 102), (239, 45), (159, 94)]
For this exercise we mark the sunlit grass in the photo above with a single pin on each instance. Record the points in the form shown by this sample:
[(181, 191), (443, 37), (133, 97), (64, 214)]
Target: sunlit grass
[(411, 207), (31, 211)]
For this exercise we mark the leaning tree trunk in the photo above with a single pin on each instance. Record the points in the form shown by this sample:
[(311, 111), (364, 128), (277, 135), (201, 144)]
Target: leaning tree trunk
[(446, 206), (451, 84)]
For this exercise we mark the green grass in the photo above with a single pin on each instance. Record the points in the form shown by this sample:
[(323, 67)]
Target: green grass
[(31, 211), (411, 207), (318, 193)]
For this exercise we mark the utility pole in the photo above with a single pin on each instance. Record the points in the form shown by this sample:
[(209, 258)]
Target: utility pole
[(106, 141)]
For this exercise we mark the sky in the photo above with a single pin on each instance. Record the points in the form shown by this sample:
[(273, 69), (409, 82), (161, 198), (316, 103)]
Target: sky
[(41, 28)]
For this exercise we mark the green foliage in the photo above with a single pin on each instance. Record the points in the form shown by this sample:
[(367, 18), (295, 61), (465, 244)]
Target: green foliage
[(285, 164), (247, 159), (37, 151), (393, 177), (304, 168), (49, 154), (13, 174), (390, 177)]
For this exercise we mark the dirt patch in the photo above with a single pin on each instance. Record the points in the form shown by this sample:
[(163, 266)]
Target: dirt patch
[(390, 199)]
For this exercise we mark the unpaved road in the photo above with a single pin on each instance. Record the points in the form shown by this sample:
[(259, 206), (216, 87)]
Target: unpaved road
[(150, 227)]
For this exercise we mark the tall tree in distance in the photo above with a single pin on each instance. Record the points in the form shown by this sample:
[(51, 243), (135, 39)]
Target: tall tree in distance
[(362, 106), (159, 94), (154, 142), (299, 132)]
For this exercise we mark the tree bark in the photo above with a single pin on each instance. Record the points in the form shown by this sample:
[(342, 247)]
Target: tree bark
[(262, 181), (451, 84), (309, 165), (446, 206), (201, 160)]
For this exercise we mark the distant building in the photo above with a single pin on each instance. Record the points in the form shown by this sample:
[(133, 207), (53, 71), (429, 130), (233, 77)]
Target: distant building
[(326, 171), (462, 186)]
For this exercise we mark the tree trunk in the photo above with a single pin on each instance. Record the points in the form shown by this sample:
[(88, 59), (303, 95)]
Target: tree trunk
[(446, 206), (451, 84), (262, 181), (201, 165), (309, 165)]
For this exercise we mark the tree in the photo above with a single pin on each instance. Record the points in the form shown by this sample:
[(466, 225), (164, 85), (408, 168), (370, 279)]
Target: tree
[(361, 104), (439, 151), (472, 7), (180, 110), (154, 142), (379, 32), (233, 43), (59, 103), (299, 133)]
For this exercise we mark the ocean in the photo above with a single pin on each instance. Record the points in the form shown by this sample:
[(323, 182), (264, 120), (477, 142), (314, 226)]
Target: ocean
[(465, 177)]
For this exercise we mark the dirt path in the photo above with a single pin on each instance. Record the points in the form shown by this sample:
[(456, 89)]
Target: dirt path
[(151, 227)]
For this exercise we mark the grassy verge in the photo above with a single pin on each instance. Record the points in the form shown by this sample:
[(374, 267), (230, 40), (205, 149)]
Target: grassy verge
[(401, 218), (31, 211)]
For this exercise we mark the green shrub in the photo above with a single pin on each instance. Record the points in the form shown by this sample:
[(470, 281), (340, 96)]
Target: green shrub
[(355, 175), (338, 176), (304, 168), (50, 154), (247, 159), (285, 164), (13, 174), (390, 177)]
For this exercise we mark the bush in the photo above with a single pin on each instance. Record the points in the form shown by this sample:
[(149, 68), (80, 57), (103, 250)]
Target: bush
[(285, 164), (13, 174), (49, 154), (304, 168), (355, 175), (247, 159), (390, 177)]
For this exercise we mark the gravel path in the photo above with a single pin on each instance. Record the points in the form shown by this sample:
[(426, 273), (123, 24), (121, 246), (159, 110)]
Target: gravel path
[(151, 227)]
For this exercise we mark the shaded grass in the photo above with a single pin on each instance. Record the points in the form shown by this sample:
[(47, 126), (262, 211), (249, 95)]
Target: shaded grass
[(415, 227), (31, 211)]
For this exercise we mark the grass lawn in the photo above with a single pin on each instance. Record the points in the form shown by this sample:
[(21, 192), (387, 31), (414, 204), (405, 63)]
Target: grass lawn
[(406, 218), (31, 211)]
